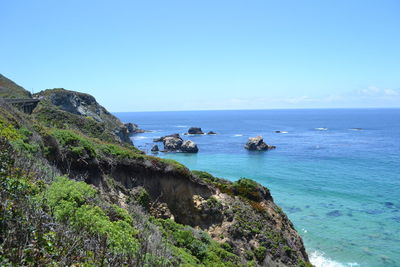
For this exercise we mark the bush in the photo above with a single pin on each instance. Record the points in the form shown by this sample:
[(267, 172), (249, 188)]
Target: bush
[(260, 253), (73, 141), (72, 202), (8, 131), (193, 246), (247, 188)]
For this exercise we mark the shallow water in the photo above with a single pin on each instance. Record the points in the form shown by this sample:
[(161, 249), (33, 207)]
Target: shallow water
[(336, 173)]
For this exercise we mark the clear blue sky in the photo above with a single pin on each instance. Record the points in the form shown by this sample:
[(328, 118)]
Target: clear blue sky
[(208, 54)]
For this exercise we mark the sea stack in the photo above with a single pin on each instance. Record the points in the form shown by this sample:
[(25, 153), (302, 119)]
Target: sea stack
[(133, 128), (155, 148), (195, 130), (172, 143), (189, 147), (257, 144)]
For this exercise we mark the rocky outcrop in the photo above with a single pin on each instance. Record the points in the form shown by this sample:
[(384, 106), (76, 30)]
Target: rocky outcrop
[(211, 133), (195, 130), (161, 139), (257, 143), (172, 143), (155, 148), (133, 128), (189, 147), (68, 109)]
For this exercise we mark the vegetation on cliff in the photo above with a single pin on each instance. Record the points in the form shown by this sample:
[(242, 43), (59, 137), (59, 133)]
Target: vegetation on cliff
[(74, 191)]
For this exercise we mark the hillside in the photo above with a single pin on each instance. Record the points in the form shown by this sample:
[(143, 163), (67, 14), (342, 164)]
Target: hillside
[(76, 192), (9, 89)]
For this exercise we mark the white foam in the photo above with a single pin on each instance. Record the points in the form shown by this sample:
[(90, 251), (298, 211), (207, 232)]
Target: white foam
[(319, 260), (238, 135), (321, 129), (181, 126), (140, 137)]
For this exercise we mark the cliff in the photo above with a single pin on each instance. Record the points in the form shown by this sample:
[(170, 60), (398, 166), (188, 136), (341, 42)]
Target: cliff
[(66, 109), (132, 209)]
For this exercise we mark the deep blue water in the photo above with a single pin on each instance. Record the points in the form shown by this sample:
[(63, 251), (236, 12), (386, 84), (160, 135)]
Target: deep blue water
[(339, 185)]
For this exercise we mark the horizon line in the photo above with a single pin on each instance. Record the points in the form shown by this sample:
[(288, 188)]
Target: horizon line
[(257, 109)]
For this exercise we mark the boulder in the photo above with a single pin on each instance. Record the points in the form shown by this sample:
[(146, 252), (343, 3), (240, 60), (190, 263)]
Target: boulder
[(189, 147), (172, 143), (195, 130), (211, 133), (161, 139), (133, 128), (257, 143), (155, 148)]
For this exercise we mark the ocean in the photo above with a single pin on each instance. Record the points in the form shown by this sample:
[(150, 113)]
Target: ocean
[(335, 172)]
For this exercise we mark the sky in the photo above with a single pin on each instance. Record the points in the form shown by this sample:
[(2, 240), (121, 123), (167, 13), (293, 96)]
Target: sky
[(209, 54)]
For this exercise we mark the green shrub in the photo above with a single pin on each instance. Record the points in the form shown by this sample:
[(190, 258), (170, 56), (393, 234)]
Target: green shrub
[(142, 197), (71, 202), (194, 246), (75, 142), (8, 131), (260, 253), (247, 188)]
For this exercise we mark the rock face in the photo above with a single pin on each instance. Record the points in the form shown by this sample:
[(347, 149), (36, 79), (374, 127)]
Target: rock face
[(172, 143), (69, 109), (161, 139), (155, 148), (257, 143), (189, 147), (195, 130), (133, 128)]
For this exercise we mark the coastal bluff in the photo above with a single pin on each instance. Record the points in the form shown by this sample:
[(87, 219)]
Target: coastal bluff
[(100, 200)]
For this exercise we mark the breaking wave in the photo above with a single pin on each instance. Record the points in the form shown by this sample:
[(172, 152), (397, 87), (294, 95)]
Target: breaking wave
[(320, 260)]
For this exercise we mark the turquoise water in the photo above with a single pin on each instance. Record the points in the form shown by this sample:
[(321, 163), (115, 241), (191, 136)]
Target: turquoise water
[(340, 185)]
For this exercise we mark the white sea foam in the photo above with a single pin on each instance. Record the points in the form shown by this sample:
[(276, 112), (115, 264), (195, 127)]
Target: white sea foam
[(320, 260), (181, 126), (238, 135), (140, 137), (321, 129)]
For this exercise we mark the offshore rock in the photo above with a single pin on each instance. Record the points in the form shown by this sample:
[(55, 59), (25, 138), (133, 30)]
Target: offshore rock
[(189, 147), (133, 128), (155, 148), (257, 143), (161, 139), (211, 133), (195, 130), (172, 143)]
